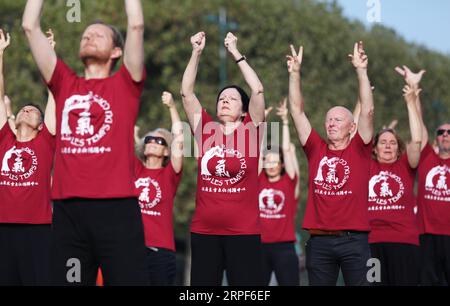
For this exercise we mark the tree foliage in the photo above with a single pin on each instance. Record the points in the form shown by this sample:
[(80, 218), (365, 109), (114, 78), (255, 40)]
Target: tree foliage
[(265, 30)]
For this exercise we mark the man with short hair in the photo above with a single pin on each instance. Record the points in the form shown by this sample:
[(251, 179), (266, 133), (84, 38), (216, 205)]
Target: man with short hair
[(25, 206), (336, 211), (96, 222)]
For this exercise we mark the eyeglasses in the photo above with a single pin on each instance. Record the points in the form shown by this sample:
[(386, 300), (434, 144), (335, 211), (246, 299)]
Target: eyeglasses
[(442, 132), (159, 140)]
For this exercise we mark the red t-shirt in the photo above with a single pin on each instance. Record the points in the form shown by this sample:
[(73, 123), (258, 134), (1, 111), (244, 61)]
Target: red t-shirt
[(156, 189), (25, 178), (227, 179), (391, 203), (94, 135), (337, 197), (434, 192), (278, 208)]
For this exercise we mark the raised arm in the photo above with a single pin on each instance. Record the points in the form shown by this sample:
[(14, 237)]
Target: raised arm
[(289, 163), (263, 143), (365, 122), (43, 53), (413, 148), (296, 102), (50, 108), (297, 170), (413, 80), (257, 104), (191, 104), (176, 156), (134, 43), (5, 40), (10, 115)]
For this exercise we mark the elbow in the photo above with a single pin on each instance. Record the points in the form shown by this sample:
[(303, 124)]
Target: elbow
[(259, 90), (136, 26)]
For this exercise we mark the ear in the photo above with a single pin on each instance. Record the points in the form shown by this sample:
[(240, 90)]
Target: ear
[(353, 128), (116, 53), (166, 151), (40, 127)]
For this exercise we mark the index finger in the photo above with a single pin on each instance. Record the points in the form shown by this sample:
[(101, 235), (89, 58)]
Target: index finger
[(294, 53)]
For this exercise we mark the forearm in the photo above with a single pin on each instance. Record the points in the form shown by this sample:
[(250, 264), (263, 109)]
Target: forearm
[(32, 15), (2, 81), (365, 92), (296, 102), (414, 123), (50, 114), (176, 121), (190, 76), (286, 144), (250, 76), (134, 13)]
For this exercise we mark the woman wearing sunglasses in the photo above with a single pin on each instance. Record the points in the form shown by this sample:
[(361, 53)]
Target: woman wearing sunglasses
[(225, 232), (433, 197), (157, 177)]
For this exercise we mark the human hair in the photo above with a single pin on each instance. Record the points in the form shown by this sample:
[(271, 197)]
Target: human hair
[(167, 135), (244, 97), (117, 38), (400, 143), (275, 150), (38, 108)]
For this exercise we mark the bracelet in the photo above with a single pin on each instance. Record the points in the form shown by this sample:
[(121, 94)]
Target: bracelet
[(243, 58)]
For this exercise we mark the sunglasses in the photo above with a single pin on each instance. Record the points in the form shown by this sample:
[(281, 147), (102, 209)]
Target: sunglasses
[(159, 140), (442, 132)]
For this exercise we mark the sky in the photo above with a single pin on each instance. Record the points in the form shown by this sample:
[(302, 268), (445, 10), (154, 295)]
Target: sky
[(425, 22)]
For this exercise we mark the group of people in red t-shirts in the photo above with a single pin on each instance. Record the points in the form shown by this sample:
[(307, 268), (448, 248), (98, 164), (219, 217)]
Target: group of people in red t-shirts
[(113, 192)]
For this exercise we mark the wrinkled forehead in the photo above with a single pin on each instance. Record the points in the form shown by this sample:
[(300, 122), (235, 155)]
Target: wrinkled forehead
[(230, 92), (388, 136), (340, 113), (445, 126), (99, 29)]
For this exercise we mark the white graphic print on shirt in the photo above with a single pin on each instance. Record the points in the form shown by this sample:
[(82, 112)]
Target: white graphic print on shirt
[(436, 186), (271, 202), (85, 121), (19, 165)]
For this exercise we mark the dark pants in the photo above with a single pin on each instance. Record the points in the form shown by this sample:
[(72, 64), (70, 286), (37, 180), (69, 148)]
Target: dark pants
[(281, 258), (106, 233), (25, 254), (161, 266), (325, 255), (399, 263), (239, 255), (435, 260)]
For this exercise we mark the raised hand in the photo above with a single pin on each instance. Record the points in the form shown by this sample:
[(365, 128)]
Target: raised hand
[(198, 42), (230, 42), (410, 93), (359, 58), (51, 38), (5, 40), (282, 110), (411, 78), (167, 99), (294, 61), (267, 111)]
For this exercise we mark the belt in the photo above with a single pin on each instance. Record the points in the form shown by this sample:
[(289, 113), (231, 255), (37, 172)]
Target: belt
[(318, 232)]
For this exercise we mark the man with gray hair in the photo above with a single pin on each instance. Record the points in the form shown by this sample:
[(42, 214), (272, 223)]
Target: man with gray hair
[(336, 211)]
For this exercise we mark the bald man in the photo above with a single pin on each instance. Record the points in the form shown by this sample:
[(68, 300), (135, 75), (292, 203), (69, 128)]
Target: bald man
[(336, 210)]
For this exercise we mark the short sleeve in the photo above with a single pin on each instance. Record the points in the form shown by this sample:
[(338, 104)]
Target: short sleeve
[(60, 75), (135, 88)]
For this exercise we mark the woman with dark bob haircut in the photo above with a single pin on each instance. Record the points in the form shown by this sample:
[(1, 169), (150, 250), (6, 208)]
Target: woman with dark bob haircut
[(225, 232)]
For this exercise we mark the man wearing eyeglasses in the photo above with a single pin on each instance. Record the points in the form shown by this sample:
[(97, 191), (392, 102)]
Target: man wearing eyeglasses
[(433, 198)]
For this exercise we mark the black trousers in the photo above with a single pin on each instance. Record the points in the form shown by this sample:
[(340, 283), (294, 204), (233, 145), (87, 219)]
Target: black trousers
[(161, 266), (25, 254), (239, 255), (435, 260), (399, 263), (325, 255), (281, 259), (92, 233)]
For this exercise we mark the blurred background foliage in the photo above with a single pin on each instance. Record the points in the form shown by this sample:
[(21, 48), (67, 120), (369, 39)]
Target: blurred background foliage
[(265, 29)]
